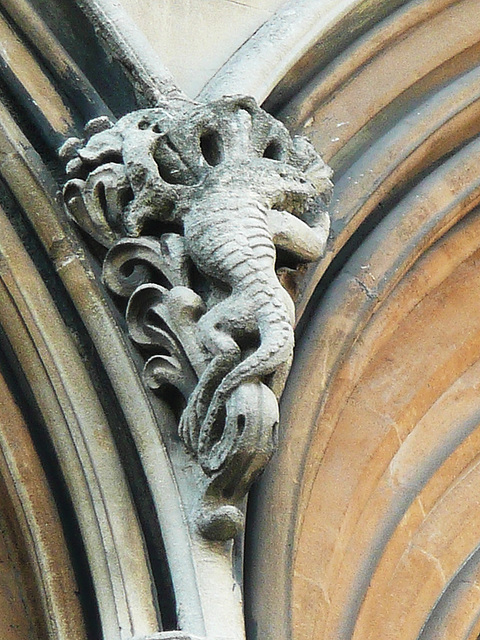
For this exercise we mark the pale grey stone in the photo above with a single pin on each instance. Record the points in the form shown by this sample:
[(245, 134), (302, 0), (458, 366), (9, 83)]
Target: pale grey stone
[(192, 200)]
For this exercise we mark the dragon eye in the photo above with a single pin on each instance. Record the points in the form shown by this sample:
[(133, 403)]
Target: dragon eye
[(274, 151), (212, 147)]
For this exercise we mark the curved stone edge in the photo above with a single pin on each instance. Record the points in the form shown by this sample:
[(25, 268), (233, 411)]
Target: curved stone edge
[(152, 81), (31, 184), (267, 56)]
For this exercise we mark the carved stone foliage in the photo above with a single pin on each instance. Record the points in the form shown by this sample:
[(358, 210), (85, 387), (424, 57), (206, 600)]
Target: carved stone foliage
[(191, 204)]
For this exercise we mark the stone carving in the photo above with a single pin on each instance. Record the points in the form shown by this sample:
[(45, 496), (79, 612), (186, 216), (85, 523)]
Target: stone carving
[(190, 204)]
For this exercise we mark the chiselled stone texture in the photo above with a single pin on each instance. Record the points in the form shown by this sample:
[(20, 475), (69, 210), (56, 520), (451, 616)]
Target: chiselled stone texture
[(168, 635), (192, 203)]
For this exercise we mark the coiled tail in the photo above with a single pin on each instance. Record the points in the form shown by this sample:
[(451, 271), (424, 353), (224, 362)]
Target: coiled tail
[(273, 353)]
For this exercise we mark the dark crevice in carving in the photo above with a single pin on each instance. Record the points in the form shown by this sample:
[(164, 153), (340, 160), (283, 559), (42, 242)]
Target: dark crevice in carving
[(286, 259), (154, 321), (125, 197), (275, 433), (248, 341), (170, 173), (217, 430), (174, 398), (173, 167), (154, 227), (229, 492), (212, 147), (102, 198), (240, 423), (274, 150), (88, 167)]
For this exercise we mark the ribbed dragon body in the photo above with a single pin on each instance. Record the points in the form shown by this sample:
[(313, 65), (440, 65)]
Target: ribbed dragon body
[(229, 240), (233, 178)]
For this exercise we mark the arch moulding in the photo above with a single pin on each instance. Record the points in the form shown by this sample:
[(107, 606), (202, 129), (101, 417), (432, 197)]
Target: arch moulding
[(172, 466)]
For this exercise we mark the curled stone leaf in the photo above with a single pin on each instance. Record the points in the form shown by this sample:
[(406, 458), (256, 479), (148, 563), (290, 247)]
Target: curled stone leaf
[(154, 312), (132, 262), (96, 202), (162, 371)]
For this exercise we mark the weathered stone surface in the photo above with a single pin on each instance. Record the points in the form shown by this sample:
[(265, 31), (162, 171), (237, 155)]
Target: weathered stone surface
[(382, 400), (236, 185), (168, 635), (368, 524)]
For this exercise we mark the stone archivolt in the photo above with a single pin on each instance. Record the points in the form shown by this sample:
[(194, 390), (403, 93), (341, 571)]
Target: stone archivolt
[(204, 301), (365, 523)]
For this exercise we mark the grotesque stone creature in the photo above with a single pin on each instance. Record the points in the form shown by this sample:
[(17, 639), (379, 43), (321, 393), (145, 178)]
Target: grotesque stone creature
[(236, 185)]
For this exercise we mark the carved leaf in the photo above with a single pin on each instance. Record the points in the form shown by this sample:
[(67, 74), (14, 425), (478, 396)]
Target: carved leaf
[(96, 203), (132, 262)]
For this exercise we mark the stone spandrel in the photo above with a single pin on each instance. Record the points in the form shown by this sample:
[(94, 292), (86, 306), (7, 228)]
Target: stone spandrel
[(195, 39)]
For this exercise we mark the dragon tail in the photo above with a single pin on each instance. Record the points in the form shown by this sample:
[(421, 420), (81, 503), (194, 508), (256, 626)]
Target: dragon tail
[(275, 349)]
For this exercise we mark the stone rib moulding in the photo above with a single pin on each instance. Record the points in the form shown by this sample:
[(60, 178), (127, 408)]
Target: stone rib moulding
[(365, 522)]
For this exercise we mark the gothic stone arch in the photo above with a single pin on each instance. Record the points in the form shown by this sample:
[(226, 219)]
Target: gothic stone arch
[(364, 523)]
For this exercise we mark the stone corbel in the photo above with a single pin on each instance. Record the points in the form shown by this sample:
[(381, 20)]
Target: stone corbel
[(188, 204)]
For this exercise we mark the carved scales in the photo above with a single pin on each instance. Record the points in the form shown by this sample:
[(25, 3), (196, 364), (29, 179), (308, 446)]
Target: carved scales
[(191, 202)]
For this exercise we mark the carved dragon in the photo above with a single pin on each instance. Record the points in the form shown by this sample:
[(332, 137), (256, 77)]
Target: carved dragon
[(236, 185)]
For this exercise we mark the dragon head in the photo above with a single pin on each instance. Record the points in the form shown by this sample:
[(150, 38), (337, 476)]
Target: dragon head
[(152, 162)]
